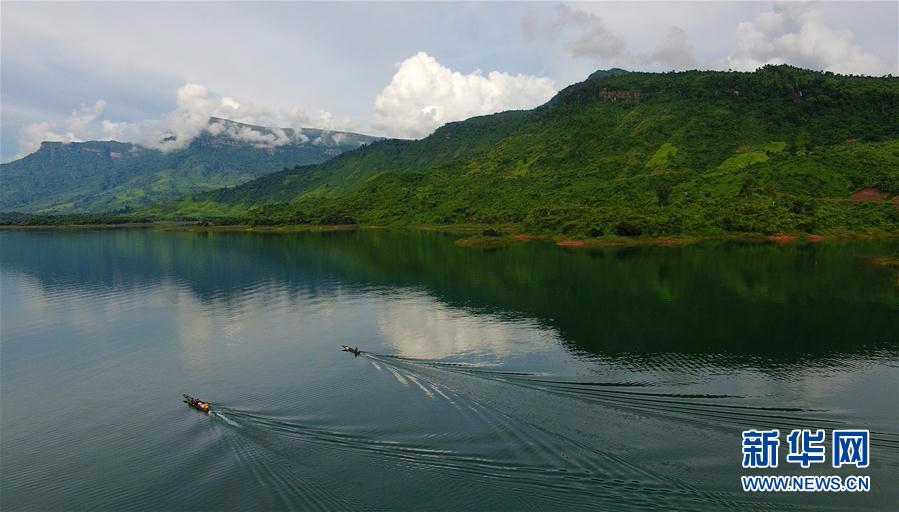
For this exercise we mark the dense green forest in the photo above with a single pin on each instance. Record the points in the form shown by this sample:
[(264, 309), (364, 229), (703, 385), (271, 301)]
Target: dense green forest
[(104, 176), (700, 152), (778, 150)]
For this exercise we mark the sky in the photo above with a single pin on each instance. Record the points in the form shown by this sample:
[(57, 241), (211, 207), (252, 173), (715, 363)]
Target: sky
[(153, 73)]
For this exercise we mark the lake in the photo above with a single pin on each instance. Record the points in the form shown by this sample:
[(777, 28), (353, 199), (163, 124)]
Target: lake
[(527, 377)]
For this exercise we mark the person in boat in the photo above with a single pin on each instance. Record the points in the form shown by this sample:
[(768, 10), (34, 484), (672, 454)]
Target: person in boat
[(354, 350)]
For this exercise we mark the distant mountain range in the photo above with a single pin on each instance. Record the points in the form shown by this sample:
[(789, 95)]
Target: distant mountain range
[(778, 150), (109, 176)]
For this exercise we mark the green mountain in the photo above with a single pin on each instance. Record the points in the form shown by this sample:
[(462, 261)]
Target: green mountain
[(102, 176), (777, 150)]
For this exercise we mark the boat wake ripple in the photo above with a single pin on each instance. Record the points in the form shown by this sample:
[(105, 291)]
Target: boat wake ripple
[(543, 438)]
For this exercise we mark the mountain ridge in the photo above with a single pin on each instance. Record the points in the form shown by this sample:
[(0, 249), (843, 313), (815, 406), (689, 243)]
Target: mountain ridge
[(103, 176)]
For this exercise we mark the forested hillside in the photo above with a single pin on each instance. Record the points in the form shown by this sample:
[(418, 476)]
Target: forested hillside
[(701, 152)]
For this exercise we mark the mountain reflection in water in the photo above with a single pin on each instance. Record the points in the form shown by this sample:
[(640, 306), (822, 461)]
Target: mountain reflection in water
[(525, 377)]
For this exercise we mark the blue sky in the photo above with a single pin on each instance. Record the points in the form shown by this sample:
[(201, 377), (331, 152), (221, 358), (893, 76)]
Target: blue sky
[(134, 71)]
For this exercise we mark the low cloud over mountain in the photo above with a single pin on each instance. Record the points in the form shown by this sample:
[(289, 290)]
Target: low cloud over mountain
[(196, 106)]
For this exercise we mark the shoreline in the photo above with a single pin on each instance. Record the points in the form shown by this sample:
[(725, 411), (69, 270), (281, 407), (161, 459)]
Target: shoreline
[(73, 227), (504, 236), (664, 241)]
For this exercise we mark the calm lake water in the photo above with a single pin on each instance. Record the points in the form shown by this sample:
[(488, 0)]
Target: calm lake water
[(526, 378)]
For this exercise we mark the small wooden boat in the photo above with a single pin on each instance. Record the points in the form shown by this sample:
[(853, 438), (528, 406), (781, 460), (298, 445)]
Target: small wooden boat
[(196, 403), (354, 350)]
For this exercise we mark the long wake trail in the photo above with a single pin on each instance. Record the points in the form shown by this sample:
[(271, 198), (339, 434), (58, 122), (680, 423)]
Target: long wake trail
[(536, 434)]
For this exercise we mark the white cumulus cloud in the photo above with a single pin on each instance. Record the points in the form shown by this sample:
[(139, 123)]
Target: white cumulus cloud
[(424, 95), (795, 34)]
